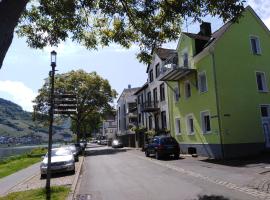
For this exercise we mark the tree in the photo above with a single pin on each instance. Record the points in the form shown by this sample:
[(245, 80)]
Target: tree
[(93, 94), (147, 23)]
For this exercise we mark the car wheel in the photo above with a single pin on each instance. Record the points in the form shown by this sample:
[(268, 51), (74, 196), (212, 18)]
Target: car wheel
[(157, 155), (176, 156), (73, 171), (146, 153), (76, 159), (43, 176)]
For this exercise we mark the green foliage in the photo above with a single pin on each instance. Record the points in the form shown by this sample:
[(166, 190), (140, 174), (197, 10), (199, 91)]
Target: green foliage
[(150, 133), (57, 193), (94, 96), (101, 22)]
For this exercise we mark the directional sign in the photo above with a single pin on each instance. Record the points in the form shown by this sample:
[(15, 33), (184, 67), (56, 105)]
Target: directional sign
[(65, 96), (60, 102), (65, 112), (65, 107)]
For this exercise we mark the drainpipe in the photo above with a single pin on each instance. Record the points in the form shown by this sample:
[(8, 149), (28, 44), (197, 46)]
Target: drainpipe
[(211, 51)]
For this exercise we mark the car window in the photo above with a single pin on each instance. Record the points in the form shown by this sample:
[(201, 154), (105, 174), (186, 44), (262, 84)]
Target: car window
[(155, 141), (60, 152), (168, 140)]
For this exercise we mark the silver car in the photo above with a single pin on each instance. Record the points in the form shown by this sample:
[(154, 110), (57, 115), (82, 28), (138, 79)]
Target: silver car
[(62, 160)]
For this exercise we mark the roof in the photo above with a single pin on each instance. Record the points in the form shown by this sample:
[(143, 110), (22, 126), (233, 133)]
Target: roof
[(196, 36), (163, 54), (222, 30), (141, 88), (128, 92)]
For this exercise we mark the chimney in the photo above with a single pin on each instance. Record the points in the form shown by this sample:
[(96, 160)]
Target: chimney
[(129, 86), (205, 29)]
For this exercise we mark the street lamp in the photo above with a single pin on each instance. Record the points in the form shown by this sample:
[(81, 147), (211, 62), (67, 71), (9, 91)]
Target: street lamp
[(53, 58), (48, 180)]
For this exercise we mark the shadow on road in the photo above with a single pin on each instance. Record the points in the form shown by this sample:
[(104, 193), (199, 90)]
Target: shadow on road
[(99, 152), (59, 175), (211, 197), (242, 162)]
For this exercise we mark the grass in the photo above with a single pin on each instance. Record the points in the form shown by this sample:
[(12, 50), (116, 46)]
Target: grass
[(16, 163), (57, 193)]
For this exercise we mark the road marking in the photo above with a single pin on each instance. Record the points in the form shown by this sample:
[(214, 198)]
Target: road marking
[(232, 186)]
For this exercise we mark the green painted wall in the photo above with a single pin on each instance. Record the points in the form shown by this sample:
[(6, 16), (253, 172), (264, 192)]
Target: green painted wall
[(236, 81), (196, 103), (236, 86)]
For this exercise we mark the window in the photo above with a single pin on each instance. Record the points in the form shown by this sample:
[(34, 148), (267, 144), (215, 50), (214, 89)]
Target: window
[(149, 98), (205, 118), (150, 122), (163, 120), (151, 77), (202, 82), (185, 60), (261, 82), (264, 111), (187, 90), (177, 126), (155, 95), (139, 99), (157, 70), (162, 92), (190, 125), (156, 122), (255, 45), (140, 118), (142, 98), (176, 93)]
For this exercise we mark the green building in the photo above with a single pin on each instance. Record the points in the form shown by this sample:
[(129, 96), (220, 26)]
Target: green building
[(218, 89)]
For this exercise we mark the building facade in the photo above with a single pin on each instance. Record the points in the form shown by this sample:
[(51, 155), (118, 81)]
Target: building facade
[(126, 111), (218, 89), (152, 96)]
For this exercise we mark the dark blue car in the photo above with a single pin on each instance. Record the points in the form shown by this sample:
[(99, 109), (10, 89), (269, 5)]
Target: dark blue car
[(162, 146)]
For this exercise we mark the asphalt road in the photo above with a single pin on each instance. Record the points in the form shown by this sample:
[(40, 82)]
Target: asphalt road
[(119, 174)]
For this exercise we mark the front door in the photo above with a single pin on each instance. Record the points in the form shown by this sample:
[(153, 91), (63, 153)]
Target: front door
[(266, 124)]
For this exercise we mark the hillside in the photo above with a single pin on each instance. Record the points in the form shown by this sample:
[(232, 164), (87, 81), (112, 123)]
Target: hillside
[(15, 122)]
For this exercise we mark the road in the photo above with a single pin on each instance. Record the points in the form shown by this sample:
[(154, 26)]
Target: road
[(121, 174)]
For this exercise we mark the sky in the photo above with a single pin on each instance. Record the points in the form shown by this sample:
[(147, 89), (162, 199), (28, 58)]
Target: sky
[(24, 69)]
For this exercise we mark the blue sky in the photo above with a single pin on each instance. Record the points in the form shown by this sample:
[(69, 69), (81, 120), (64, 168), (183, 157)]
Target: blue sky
[(24, 69)]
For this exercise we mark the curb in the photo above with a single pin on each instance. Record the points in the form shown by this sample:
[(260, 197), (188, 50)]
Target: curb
[(75, 182)]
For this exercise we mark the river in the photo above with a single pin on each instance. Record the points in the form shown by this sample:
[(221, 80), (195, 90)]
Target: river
[(17, 150)]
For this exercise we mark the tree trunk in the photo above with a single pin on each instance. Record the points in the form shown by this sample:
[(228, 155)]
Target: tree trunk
[(10, 13)]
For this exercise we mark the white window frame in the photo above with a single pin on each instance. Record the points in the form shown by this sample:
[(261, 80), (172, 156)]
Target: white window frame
[(199, 82), (202, 114), (258, 44), (265, 86), (189, 116), (177, 127), (185, 88)]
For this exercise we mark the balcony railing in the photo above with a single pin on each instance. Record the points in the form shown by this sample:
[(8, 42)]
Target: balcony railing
[(150, 106), (172, 71)]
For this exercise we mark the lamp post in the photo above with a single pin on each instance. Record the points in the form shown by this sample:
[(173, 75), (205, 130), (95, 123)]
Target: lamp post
[(48, 180)]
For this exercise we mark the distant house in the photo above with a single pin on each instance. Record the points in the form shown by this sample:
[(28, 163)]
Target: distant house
[(218, 89), (109, 127), (127, 113)]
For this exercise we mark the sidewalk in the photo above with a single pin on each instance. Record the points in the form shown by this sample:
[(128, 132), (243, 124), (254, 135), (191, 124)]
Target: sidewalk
[(9, 182), (250, 173)]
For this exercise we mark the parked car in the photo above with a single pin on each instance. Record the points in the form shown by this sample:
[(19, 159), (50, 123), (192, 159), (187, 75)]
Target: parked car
[(104, 142), (117, 143), (75, 150), (162, 146), (78, 147), (62, 160)]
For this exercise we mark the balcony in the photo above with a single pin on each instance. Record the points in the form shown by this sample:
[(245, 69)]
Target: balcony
[(172, 71), (152, 106)]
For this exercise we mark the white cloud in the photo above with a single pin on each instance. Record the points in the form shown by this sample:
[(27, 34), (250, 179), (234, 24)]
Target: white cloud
[(20, 93), (261, 7)]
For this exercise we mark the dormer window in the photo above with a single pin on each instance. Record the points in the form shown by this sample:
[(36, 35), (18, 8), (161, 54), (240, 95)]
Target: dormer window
[(185, 60), (151, 76)]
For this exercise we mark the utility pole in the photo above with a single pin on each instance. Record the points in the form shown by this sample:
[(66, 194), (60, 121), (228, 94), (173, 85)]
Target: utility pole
[(52, 73)]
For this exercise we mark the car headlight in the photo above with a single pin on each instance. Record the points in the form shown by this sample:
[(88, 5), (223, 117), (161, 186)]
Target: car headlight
[(43, 165), (69, 162), (115, 142)]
